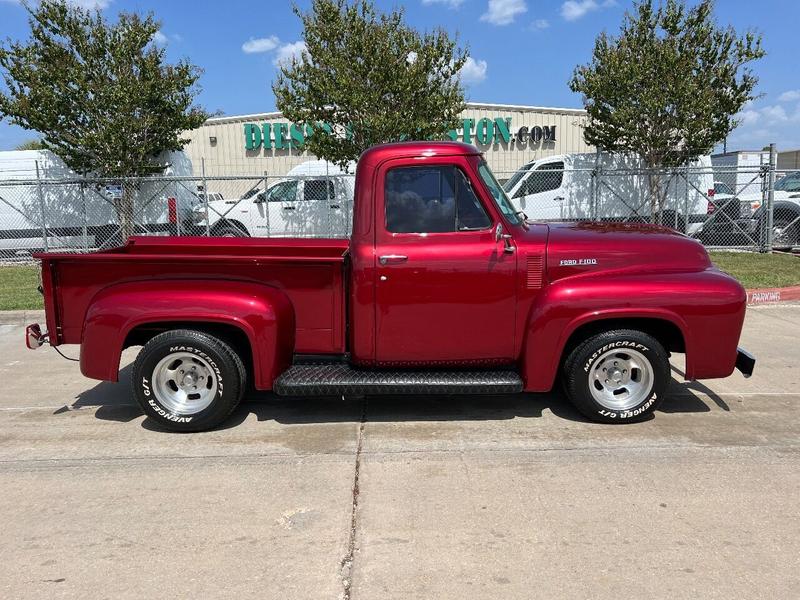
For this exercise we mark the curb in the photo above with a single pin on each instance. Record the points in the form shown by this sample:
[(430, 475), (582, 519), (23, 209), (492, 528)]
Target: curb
[(21, 317), (771, 295)]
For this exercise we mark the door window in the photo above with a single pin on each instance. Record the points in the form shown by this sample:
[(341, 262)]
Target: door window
[(546, 178), (316, 190), (431, 200), (286, 191)]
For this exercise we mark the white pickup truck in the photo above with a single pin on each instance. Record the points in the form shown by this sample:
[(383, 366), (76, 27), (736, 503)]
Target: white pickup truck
[(315, 199)]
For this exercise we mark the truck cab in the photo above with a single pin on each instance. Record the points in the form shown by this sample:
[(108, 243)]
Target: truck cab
[(442, 288)]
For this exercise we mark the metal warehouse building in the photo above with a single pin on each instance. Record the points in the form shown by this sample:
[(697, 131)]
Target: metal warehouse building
[(509, 135)]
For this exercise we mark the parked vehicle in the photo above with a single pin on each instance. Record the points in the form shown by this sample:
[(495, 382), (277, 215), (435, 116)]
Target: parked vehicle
[(739, 215), (442, 288), (38, 190), (314, 200), (563, 188)]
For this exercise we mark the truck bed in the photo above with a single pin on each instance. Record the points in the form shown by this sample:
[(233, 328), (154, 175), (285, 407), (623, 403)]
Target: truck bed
[(311, 271)]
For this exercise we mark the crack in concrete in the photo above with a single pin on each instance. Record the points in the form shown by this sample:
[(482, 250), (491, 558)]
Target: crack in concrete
[(346, 564)]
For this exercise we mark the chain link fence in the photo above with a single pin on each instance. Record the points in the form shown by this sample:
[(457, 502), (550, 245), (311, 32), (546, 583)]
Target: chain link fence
[(748, 208), (84, 215)]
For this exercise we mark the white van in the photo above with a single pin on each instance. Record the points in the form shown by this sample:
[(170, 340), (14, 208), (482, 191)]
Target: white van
[(315, 199), (562, 188), (80, 216)]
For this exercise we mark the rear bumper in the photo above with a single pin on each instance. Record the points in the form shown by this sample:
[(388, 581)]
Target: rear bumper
[(745, 362)]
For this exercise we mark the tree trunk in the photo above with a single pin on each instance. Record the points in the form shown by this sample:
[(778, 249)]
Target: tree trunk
[(125, 212), (654, 187)]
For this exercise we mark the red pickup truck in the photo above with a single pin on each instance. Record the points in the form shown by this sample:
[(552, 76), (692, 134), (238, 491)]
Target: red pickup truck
[(443, 288)]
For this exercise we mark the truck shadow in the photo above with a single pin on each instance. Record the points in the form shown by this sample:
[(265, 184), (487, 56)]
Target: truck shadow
[(114, 403)]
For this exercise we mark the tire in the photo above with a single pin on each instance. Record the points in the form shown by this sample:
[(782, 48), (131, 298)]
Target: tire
[(785, 228), (230, 230), (212, 368), (633, 393)]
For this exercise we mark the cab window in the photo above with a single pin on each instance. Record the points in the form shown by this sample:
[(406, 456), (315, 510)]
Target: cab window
[(431, 200), (317, 190), (285, 191)]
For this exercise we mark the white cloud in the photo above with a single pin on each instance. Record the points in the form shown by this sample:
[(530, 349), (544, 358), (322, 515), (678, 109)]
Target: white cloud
[(540, 24), (572, 10), (90, 4), (450, 3), (774, 113), (760, 125), (254, 46), (159, 38), (473, 71), (287, 52), (503, 12), (789, 96)]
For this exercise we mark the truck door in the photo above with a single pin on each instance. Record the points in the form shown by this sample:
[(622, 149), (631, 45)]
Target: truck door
[(274, 210), (541, 194), (445, 289), (318, 207)]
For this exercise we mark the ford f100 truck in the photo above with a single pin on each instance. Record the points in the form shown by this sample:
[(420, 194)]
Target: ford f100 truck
[(443, 288)]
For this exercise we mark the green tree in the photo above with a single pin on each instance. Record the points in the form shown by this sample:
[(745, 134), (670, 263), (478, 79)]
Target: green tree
[(668, 87), (371, 78), (31, 145), (101, 94)]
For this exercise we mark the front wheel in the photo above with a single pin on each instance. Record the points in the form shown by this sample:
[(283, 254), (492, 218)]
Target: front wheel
[(617, 376), (187, 380)]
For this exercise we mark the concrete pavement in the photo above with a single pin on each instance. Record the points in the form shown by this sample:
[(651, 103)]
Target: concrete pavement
[(512, 497)]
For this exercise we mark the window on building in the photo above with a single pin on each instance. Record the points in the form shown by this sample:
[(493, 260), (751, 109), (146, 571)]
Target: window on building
[(432, 200)]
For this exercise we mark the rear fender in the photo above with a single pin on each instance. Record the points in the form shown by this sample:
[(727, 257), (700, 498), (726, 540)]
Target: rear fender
[(263, 313)]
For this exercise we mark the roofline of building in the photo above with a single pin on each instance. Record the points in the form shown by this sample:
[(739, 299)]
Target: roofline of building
[(470, 105)]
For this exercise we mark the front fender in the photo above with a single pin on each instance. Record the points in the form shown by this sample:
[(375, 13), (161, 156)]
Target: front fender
[(706, 306), (263, 313)]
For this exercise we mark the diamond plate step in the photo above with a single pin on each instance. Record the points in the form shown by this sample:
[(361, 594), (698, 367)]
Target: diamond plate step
[(335, 379)]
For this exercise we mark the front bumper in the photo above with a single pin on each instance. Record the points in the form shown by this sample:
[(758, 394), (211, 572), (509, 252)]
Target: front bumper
[(745, 362)]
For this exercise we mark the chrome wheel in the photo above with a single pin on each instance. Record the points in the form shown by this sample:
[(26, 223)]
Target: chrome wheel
[(784, 234), (184, 383), (621, 379)]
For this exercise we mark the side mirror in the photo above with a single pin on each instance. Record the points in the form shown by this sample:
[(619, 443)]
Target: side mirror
[(508, 247)]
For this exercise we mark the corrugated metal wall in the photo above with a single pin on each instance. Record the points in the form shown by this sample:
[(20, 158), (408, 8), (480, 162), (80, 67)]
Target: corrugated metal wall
[(227, 154)]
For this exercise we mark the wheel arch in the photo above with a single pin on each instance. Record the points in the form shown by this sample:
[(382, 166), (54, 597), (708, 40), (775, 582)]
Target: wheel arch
[(255, 318), (226, 222), (541, 372)]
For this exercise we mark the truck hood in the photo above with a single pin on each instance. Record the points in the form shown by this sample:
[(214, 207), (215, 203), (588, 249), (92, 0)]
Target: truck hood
[(577, 248)]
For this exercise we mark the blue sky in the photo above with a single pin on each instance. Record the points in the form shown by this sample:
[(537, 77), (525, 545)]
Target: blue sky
[(522, 51)]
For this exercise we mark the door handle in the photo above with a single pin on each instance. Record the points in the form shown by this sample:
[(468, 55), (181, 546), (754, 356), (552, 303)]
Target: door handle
[(392, 259), (288, 208), (335, 206)]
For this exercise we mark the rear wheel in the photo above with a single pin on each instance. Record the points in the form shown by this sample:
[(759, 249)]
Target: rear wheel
[(186, 380), (617, 376), (230, 229)]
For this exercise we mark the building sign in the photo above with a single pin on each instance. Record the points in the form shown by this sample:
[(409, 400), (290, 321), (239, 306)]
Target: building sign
[(482, 132)]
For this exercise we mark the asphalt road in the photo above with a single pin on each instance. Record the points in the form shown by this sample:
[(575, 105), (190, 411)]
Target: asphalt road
[(503, 497)]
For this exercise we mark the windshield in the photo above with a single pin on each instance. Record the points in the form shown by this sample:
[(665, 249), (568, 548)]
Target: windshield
[(790, 183), (509, 185), (500, 198)]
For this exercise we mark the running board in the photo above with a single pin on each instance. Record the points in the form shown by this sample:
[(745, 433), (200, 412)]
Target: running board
[(334, 379)]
